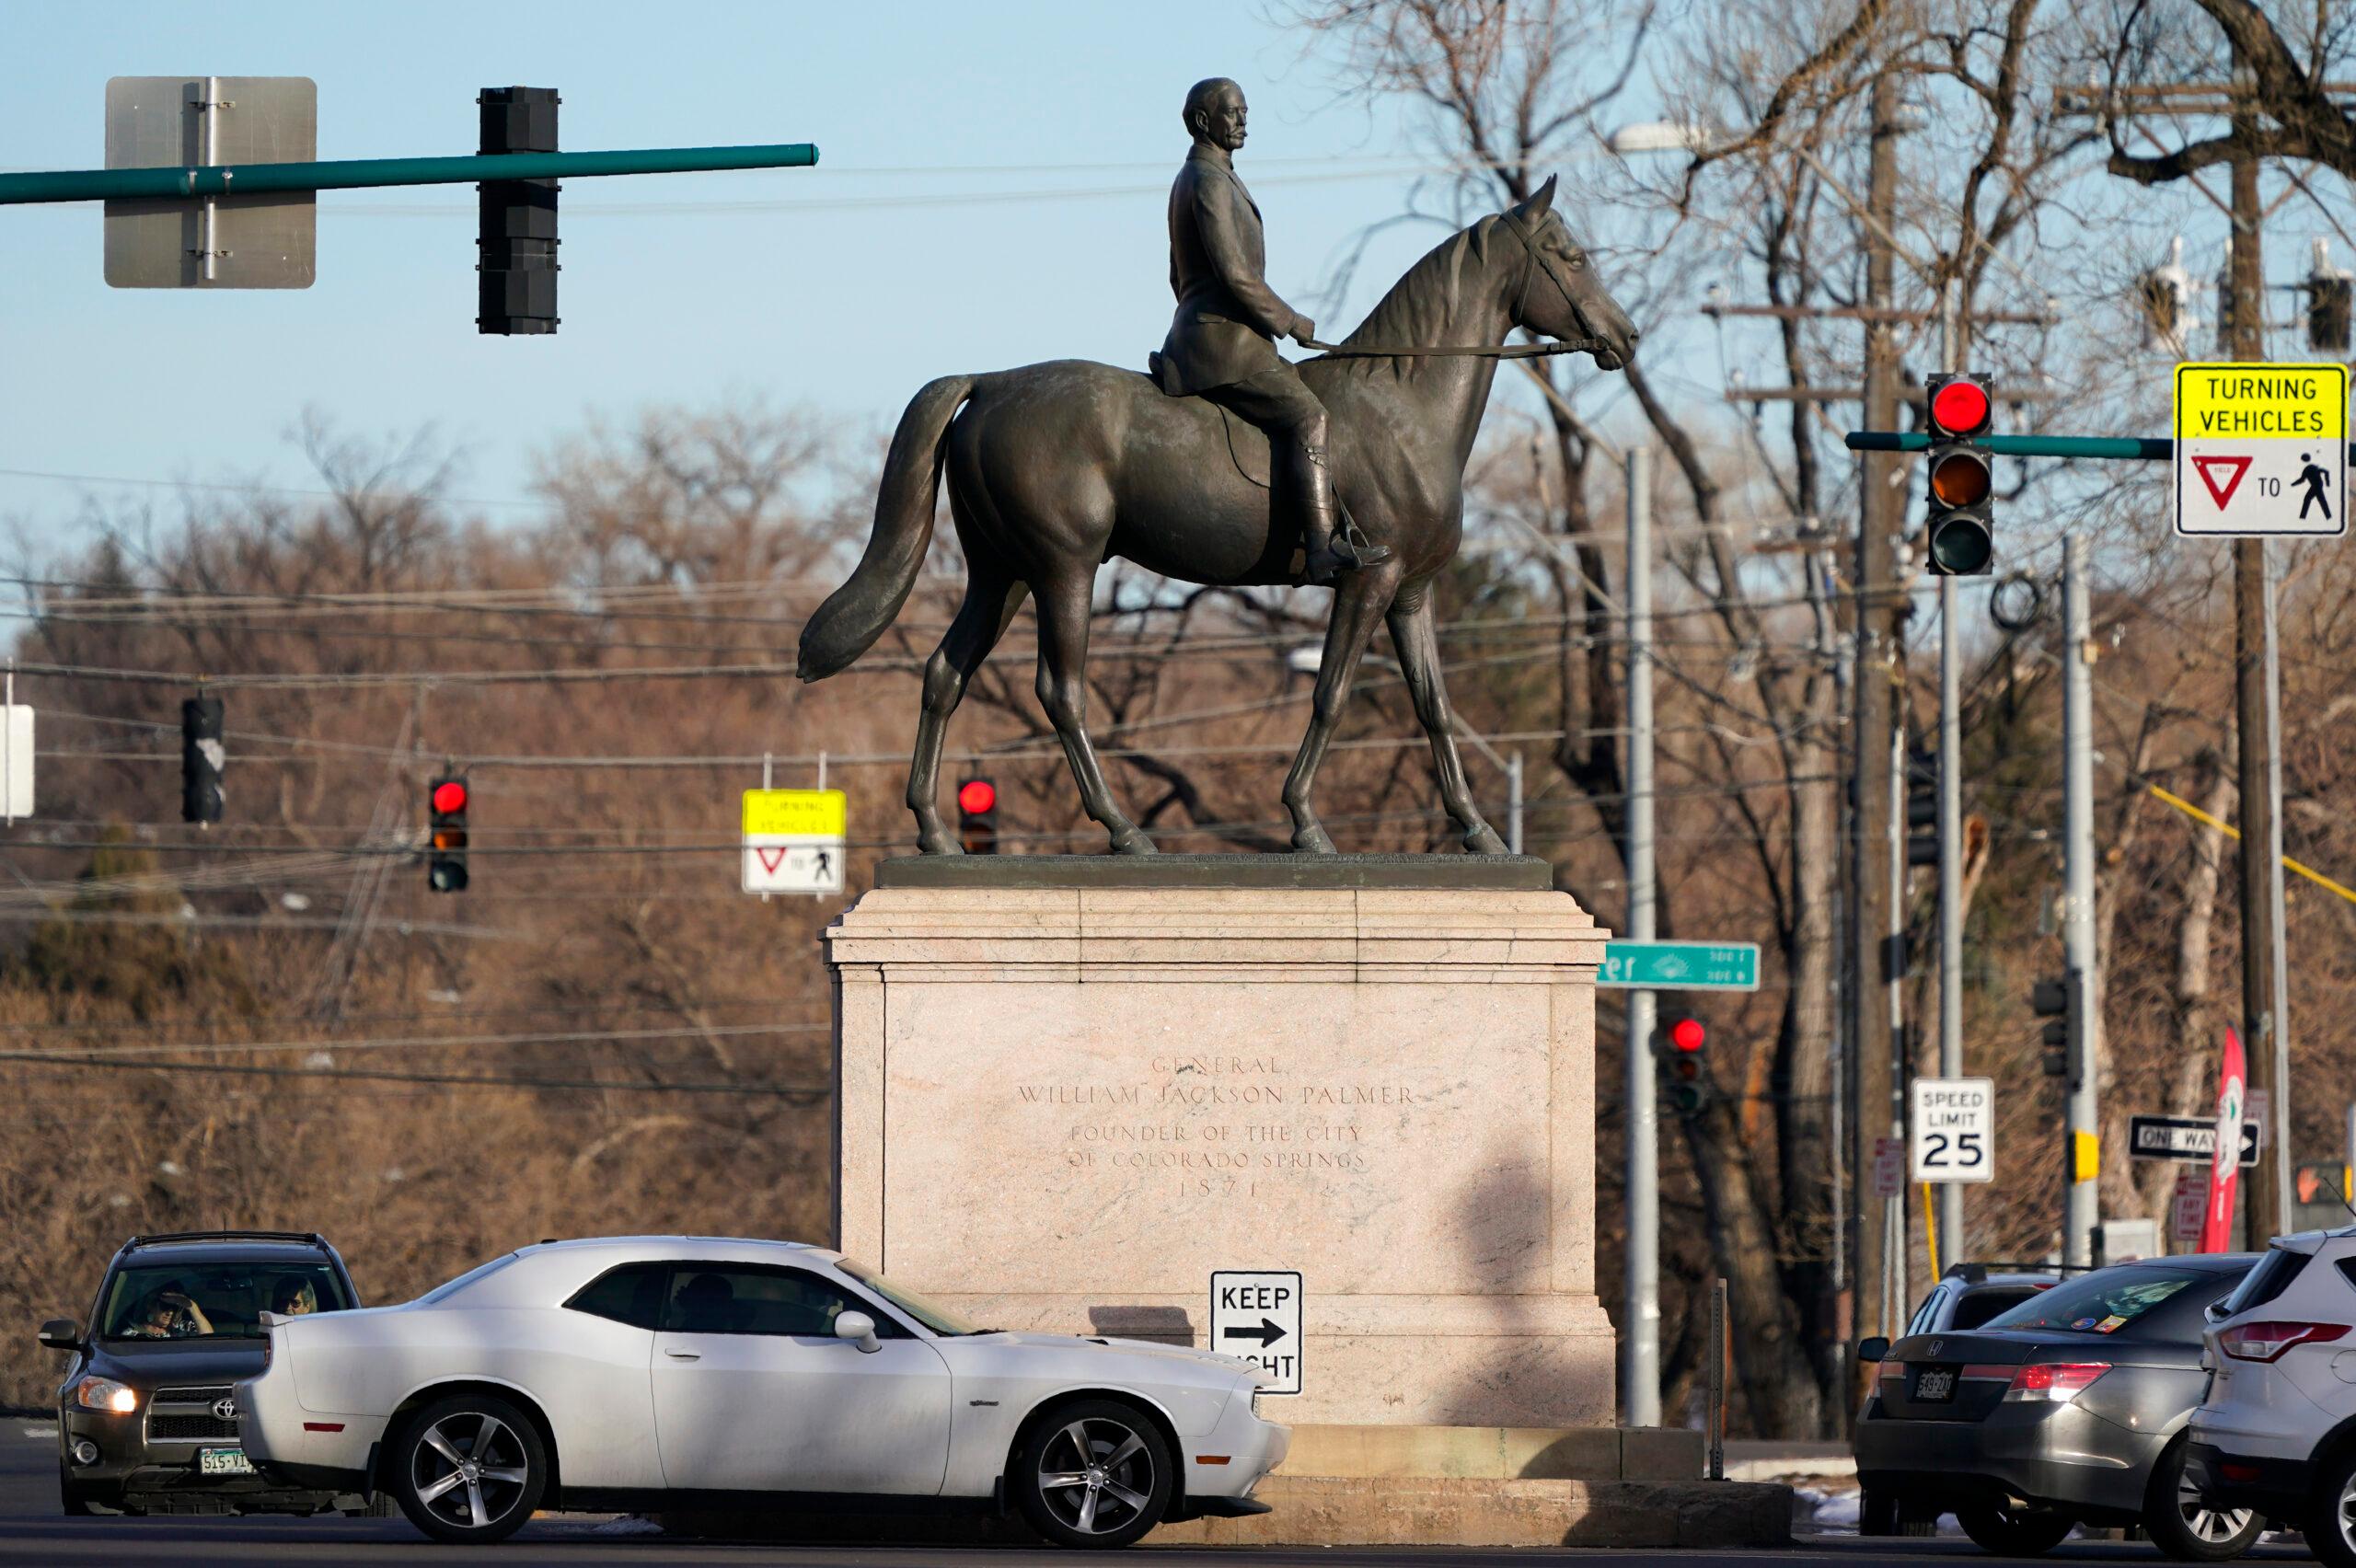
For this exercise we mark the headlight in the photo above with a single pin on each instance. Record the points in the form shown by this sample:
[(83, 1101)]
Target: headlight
[(105, 1393)]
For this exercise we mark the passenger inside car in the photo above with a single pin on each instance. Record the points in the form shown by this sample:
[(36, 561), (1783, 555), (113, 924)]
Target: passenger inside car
[(293, 1296)]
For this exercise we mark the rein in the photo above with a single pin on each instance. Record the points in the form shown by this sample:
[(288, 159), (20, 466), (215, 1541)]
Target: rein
[(1535, 262), (1506, 351)]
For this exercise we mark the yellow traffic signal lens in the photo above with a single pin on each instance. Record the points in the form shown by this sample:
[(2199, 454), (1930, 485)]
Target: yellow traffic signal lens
[(449, 839), (1959, 478)]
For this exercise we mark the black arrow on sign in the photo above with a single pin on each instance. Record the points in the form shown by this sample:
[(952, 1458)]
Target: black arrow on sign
[(1267, 1333)]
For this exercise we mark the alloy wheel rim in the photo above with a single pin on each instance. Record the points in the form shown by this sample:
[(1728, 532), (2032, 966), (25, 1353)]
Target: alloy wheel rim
[(2347, 1512), (1096, 1475), (469, 1469), (2215, 1525)]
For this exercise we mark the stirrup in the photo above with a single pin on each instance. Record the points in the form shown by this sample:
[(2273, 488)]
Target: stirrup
[(1324, 567)]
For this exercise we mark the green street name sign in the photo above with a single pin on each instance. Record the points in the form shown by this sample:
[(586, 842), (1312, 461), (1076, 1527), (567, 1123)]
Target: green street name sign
[(1679, 967)]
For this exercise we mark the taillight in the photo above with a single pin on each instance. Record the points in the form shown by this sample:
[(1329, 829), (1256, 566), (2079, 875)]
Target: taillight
[(2266, 1342), (1892, 1370), (2054, 1382)]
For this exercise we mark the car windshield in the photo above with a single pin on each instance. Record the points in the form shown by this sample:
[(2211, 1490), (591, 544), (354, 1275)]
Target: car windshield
[(2106, 1300), (215, 1300), (931, 1314)]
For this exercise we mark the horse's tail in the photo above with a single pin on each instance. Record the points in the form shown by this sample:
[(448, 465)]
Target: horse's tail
[(851, 620)]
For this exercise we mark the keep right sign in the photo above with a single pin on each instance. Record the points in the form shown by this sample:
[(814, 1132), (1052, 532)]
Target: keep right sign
[(2261, 449)]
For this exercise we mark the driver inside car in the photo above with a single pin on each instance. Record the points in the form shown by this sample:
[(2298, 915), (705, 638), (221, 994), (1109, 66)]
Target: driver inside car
[(169, 1313)]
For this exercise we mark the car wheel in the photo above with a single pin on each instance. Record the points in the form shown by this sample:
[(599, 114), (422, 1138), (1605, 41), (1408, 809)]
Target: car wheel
[(1876, 1512), (2330, 1530), (71, 1497), (2186, 1529), (1094, 1472), (2014, 1532), (470, 1467)]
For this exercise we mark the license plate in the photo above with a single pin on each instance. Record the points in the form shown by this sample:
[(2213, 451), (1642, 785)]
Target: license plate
[(1934, 1385), (223, 1461)]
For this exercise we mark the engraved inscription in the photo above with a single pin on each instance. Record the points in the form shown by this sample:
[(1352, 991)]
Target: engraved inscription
[(1220, 1124)]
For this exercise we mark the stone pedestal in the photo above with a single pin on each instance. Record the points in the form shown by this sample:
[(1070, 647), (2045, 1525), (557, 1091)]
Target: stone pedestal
[(1071, 1087)]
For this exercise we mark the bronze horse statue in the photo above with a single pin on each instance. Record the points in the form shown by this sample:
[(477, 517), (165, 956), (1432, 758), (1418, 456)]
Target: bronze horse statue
[(1055, 469)]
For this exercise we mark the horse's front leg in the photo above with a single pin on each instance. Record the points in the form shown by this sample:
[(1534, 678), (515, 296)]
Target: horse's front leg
[(1417, 644), (1358, 602), (1063, 692)]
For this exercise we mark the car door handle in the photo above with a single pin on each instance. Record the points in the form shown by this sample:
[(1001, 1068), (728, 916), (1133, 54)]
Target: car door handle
[(684, 1355)]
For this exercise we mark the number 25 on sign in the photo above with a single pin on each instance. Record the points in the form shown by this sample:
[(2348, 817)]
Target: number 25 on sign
[(1954, 1129)]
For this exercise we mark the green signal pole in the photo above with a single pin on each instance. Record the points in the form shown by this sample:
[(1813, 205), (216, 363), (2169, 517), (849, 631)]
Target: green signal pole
[(2131, 447), (354, 174)]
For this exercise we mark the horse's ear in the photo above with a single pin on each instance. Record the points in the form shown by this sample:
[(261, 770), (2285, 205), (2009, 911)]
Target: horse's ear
[(1538, 205)]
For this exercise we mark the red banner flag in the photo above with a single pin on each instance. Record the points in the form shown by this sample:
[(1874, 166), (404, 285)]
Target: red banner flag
[(2225, 1168)]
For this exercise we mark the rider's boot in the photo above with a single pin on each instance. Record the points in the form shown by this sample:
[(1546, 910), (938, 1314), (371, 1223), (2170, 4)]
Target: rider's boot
[(1330, 552)]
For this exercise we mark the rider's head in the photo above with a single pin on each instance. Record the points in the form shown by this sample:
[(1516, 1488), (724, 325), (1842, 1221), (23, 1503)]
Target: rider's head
[(1215, 112)]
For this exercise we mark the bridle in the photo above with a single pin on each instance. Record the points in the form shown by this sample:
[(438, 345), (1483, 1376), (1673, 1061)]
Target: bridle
[(1534, 261)]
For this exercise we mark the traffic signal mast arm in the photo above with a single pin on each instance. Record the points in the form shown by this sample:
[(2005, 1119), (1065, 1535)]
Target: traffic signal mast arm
[(2131, 447), (354, 174)]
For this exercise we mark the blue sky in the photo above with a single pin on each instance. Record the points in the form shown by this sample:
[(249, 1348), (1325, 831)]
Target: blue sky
[(844, 287)]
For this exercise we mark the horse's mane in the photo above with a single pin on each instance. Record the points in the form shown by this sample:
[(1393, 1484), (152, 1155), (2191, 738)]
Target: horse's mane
[(1426, 299)]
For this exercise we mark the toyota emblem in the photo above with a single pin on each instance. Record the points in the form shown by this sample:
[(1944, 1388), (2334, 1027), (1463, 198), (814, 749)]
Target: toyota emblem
[(1932, 1350), (226, 1408)]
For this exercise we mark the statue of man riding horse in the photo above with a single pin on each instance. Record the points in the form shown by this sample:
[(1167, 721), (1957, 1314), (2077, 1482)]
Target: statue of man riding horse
[(1055, 469)]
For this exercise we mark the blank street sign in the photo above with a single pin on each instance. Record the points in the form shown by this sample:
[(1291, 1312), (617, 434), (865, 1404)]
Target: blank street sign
[(266, 241)]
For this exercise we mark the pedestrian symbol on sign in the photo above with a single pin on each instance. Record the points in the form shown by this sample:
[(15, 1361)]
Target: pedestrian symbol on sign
[(2312, 478)]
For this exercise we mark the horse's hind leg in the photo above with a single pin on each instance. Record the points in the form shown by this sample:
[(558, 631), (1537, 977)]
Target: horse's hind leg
[(991, 599), (1357, 604), (1418, 649), (1063, 692)]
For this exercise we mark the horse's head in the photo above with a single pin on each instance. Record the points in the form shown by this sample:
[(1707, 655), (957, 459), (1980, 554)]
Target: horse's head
[(1561, 296)]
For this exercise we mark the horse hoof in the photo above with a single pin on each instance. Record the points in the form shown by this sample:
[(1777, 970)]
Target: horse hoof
[(940, 843), (1133, 842), (1483, 840), (1312, 840)]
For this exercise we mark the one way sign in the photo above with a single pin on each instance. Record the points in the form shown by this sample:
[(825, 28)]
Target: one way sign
[(1255, 1313)]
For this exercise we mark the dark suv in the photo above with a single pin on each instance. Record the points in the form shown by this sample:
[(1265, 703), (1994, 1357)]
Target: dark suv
[(147, 1421)]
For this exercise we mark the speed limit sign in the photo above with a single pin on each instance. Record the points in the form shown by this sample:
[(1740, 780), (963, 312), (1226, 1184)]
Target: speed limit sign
[(1954, 1129)]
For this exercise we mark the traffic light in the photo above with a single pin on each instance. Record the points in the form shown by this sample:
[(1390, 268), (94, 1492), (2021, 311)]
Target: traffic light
[(446, 816), (977, 816), (2330, 293), (1922, 809), (1689, 1085), (1959, 527), (516, 242), (2052, 998), (202, 759)]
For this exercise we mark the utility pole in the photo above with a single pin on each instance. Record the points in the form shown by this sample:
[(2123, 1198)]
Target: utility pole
[(2268, 1206), (1872, 1080), (2083, 1206), (1640, 1325)]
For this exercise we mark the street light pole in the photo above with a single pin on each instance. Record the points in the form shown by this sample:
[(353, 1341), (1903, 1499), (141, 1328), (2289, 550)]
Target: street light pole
[(1640, 1331)]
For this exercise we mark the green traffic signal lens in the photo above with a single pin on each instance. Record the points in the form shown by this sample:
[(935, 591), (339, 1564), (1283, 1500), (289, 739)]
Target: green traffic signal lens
[(1960, 547), (446, 876)]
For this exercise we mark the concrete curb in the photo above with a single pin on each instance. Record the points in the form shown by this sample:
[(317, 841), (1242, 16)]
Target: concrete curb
[(1463, 1511)]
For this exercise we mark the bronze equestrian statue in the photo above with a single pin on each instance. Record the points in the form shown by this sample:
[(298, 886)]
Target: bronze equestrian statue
[(1055, 469), (1222, 338)]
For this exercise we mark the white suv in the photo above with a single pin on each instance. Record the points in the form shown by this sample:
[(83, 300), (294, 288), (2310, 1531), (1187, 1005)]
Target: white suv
[(2277, 1429)]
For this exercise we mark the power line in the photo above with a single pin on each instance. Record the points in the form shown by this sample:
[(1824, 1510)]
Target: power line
[(226, 1069)]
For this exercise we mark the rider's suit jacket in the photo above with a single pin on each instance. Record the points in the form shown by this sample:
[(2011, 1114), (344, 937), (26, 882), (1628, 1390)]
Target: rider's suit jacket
[(1227, 315)]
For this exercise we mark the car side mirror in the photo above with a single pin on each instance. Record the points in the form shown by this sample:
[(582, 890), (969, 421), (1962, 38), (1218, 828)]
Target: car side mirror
[(860, 1329), (1871, 1349), (61, 1333)]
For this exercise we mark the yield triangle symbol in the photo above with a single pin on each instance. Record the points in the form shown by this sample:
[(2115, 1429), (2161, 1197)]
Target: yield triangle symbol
[(773, 859), (2231, 467)]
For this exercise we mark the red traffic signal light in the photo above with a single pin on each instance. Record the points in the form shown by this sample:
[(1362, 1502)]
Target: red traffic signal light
[(976, 795), (450, 796), (1687, 1034), (1960, 408)]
